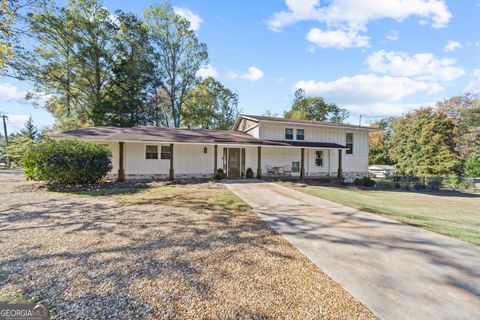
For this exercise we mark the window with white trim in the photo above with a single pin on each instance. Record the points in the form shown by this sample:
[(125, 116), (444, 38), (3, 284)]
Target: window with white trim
[(300, 134), (166, 153), (288, 134), (319, 158), (151, 152), (349, 143)]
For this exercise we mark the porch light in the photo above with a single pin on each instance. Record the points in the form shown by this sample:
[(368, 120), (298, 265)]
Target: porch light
[(205, 150)]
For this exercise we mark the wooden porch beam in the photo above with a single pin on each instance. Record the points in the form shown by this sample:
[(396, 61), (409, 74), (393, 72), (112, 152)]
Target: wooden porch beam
[(171, 174), (215, 159), (121, 170), (259, 167), (302, 163), (340, 169)]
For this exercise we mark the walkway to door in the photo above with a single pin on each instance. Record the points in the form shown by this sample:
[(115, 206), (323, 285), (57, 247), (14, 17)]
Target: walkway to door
[(396, 270)]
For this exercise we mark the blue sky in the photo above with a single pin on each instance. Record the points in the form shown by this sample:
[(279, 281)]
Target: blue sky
[(376, 58)]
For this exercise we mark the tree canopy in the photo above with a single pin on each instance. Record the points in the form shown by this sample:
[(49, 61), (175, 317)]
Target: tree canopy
[(211, 105), (314, 108), (423, 143)]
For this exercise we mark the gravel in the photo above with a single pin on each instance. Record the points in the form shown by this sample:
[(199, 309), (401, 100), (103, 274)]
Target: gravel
[(92, 257)]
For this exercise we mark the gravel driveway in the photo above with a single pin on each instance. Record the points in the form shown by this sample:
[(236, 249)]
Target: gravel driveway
[(92, 257)]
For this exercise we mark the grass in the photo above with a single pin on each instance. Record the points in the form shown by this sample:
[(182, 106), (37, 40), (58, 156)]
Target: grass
[(203, 196), (450, 213)]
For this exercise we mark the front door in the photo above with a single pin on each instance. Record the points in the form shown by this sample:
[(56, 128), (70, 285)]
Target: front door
[(233, 163)]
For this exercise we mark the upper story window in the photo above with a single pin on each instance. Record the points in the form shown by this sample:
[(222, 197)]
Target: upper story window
[(288, 134), (166, 152), (151, 152), (349, 143), (319, 158), (300, 134)]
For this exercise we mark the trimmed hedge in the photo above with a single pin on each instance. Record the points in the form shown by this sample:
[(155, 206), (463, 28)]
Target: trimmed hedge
[(67, 162)]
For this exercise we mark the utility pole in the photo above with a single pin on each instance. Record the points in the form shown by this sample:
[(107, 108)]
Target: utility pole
[(4, 117)]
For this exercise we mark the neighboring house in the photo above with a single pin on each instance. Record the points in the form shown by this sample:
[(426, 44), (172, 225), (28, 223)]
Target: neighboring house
[(268, 146), (380, 170)]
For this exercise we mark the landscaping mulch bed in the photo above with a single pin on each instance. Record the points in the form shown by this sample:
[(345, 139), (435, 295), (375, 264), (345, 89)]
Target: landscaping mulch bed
[(158, 258)]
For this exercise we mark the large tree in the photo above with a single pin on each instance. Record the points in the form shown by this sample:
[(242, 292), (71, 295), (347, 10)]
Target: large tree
[(210, 106), (179, 54), (465, 112), (133, 81), (379, 141), (314, 108), (423, 143)]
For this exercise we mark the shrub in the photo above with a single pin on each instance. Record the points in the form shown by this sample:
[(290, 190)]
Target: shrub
[(472, 166), (434, 182), (454, 181), (249, 173), (67, 162), (467, 183), (219, 174), (364, 182)]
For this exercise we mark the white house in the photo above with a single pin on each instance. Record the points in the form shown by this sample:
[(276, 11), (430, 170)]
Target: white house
[(256, 146)]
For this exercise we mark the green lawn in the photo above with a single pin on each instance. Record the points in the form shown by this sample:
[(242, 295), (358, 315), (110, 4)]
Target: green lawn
[(453, 214)]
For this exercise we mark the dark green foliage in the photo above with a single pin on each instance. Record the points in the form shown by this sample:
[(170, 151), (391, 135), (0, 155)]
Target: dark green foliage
[(67, 162), (210, 106), (364, 182), (472, 166), (423, 143), (314, 108)]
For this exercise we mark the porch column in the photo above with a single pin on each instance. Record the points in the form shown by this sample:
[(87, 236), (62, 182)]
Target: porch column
[(340, 170), (121, 171), (171, 175), (215, 164), (329, 160), (302, 163), (259, 167)]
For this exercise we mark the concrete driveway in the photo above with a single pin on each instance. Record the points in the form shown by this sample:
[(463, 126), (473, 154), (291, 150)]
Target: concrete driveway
[(398, 271)]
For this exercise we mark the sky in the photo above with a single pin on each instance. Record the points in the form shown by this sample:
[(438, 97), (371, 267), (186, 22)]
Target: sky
[(375, 58)]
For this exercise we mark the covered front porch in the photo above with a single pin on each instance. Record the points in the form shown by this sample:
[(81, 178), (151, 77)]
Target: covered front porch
[(136, 160)]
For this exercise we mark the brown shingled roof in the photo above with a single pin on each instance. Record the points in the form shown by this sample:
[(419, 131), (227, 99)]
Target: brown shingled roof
[(180, 135)]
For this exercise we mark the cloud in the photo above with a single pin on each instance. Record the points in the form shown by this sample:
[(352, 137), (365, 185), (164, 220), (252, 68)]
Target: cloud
[(359, 13), (366, 89), (474, 84), (17, 121), (347, 20), (207, 71), (421, 66), (385, 109), (393, 35), (253, 74), (9, 92), (336, 38), (452, 46), (193, 18)]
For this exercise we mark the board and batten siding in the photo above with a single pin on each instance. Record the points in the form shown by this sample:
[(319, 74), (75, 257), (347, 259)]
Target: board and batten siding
[(356, 162)]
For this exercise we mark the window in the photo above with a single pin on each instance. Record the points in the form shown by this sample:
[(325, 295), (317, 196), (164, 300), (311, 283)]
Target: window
[(295, 166), (288, 134), (300, 134), (166, 153), (319, 158), (151, 152), (349, 143)]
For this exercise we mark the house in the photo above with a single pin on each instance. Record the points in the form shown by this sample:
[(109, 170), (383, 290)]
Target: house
[(380, 170), (255, 146)]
